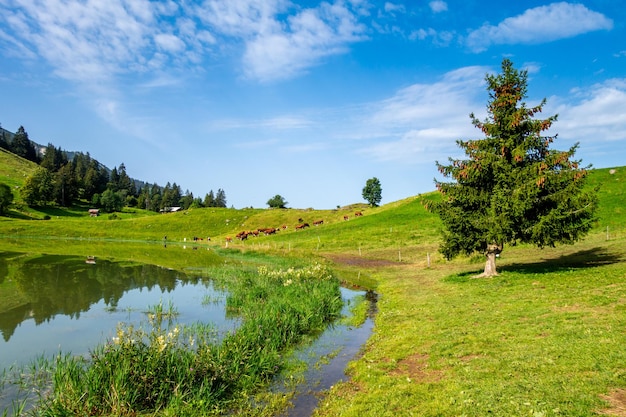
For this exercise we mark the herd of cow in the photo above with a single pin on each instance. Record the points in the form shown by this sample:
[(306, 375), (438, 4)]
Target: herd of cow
[(243, 235)]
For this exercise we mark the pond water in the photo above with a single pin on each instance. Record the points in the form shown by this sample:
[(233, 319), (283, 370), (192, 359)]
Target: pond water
[(69, 304), (52, 304)]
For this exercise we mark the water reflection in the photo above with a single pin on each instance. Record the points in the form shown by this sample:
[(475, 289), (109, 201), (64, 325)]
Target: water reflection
[(64, 303), (55, 302)]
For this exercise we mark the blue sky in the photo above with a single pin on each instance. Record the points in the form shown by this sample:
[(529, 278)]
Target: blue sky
[(304, 99)]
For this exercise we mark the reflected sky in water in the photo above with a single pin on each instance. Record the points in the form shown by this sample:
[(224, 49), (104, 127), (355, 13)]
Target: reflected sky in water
[(52, 304)]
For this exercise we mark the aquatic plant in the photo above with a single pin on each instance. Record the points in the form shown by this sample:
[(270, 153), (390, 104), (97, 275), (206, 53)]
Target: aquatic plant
[(170, 369)]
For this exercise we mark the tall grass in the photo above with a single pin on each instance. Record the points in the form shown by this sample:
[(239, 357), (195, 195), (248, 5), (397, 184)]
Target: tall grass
[(165, 368)]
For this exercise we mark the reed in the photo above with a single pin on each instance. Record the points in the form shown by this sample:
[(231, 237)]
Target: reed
[(165, 368)]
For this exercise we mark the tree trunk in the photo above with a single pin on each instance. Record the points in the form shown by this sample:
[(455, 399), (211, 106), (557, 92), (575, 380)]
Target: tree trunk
[(490, 263)]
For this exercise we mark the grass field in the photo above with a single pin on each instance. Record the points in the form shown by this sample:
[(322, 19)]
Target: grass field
[(544, 338)]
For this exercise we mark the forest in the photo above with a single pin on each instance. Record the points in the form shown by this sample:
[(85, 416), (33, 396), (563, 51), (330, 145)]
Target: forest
[(65, 178)]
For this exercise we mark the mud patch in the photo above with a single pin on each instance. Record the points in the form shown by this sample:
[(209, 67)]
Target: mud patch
[(416, 368), (617, 399), (360, 261)]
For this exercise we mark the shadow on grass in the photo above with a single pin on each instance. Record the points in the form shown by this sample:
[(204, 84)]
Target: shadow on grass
[(61, 212), (13, 214), (589, 258)]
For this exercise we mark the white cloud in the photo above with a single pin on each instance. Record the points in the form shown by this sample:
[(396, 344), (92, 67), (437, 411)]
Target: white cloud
[(242, 18), (83, 41), (287, 122), (438, 6), (169, 42), (96, 40), (283, 51), (538, 25), (393, 8), (593, 115), (439, 38), (421, 121)]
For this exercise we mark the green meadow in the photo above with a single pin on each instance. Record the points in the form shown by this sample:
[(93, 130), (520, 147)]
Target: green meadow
[(547, 337)]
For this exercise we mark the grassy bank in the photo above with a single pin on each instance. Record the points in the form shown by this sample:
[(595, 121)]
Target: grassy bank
[(545, 338), (161, 367)]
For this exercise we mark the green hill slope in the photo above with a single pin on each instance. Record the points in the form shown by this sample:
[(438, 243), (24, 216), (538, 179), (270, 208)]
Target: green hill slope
[(14, 170), (393, 230)]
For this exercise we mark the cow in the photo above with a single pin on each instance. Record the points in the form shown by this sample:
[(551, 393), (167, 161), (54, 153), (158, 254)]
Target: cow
[(358, 214), (302, 226), (229, 239), (346, 217), (318, 222)]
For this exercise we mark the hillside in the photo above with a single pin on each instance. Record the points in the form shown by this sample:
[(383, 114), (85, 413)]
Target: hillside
[(400, 231), (14, 170), (543, 338)]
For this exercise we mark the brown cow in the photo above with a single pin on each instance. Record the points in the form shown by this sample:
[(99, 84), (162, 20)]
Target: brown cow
[(346, 217), (318, 222), (302, 226), (358, 214)]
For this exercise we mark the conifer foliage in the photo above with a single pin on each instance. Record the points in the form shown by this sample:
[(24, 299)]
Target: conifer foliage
[(512, 187)]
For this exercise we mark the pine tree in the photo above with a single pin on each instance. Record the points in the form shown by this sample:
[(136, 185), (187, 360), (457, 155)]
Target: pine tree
[(209, 199), (4, 142), (220, 198), (513, 187), (53, 158), (65, 189), (22, 146)]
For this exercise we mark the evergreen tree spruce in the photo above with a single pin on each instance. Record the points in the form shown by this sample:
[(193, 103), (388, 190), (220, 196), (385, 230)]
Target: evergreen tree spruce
[(4, 141), (65, 188), (53, 158), (512, 187), (114, 180), (209, 199), (22, 146), (220, 198)]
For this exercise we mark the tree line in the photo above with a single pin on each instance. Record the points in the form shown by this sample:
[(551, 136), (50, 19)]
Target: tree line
[(62, 181)]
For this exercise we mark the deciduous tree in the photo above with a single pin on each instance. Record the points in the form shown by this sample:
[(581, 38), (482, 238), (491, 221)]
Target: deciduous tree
[(372, 192), (512, 187), (277, 202), (112, 201), (6, 198), (38, 188)]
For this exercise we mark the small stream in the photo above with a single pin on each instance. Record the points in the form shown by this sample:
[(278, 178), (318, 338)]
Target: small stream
[(343, 344)]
